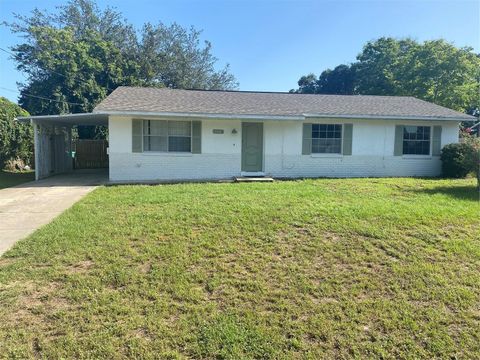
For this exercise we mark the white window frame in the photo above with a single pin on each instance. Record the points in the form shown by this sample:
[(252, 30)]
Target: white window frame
[(326, 154), (419, 156), (167, 136)]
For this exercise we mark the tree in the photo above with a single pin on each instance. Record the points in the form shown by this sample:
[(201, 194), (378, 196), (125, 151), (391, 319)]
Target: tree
[(307, 84), (434, 71), (16, 139), (76, 72), (380, 66), (340, 80), (445, 75), (79, 55)]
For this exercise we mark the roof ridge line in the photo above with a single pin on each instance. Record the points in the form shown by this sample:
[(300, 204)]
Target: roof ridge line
[(262, 92)]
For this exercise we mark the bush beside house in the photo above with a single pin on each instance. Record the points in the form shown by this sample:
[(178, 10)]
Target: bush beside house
[(16, 139), (461, 159)]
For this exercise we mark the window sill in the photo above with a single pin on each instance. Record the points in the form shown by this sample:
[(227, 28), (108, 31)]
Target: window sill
[(417, 157), (168, 154), (326, 155)]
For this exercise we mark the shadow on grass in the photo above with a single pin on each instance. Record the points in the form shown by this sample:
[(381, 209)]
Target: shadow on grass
[(468, 192), (8, 179)]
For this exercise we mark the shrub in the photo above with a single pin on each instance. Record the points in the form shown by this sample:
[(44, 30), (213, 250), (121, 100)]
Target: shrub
[(454, 160), (472, 158), (16, 139)]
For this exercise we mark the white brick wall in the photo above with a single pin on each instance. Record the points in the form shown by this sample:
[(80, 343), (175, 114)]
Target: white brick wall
[(372, 149), (139, 167), (350, 166)]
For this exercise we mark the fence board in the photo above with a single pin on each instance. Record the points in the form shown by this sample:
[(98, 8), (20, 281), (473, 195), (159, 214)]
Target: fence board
[(90, 154)]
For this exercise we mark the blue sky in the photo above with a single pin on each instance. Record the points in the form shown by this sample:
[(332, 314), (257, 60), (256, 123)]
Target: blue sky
[(269, 44)]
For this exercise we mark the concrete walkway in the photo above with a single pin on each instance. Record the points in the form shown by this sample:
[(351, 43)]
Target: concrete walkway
[(26, 207)]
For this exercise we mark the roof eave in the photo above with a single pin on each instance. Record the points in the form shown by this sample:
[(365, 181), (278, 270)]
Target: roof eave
[(283, 117), (78, 118), (99, 118), (205, 115), (390, 117)]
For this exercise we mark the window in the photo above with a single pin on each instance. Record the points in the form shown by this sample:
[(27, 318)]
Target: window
[(326, 138), (162, 135), (416, 140)]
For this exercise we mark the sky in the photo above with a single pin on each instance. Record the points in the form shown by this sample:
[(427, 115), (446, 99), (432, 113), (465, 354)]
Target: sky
[(269, 44)]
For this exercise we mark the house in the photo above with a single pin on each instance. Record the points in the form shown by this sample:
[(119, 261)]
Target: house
[(165, 134)]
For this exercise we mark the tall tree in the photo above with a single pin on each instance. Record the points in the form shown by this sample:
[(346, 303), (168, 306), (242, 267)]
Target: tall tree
[(435, 71), (81, 53), (173, 56), (340, 80), (307, 84), (75, 72)]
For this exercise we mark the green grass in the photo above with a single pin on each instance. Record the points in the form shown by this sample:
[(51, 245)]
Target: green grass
[(8, 178), (354, 268)]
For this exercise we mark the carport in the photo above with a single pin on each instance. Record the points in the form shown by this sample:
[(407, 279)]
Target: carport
[(53, 140)]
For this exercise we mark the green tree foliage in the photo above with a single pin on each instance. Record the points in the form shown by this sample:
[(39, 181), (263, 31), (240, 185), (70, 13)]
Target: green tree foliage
[(77, 72), (435, 71), (461, 159), (82, 53), (173, 56), (340, 81), (15, 137)]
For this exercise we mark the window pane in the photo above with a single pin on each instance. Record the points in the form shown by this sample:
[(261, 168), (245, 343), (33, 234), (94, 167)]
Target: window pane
[(155, 143), (146, 125), (426, 133), (179, 128), (425, 148), (409, 132), (333, 146), (327, 138), (315, 146), (416, 147), (179, 144), (158, 127), (416, 140), (326, 146)]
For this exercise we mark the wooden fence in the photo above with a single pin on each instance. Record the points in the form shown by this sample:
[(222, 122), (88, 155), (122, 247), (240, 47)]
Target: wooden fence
[(90, 154)]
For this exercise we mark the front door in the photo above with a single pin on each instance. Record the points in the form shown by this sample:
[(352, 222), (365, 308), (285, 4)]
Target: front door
[(252, 147)]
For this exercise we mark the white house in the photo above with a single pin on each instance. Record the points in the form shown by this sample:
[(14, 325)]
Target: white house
[(165, 134)]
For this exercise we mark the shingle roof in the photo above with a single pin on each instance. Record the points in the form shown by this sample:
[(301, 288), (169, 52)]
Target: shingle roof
[(138, 99)]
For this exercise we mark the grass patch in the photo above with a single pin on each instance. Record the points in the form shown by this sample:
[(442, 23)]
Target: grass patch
[(9, 178), (380, 268)]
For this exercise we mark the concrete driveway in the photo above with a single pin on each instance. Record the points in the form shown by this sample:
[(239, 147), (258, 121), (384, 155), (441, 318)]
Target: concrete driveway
[(26, 207)]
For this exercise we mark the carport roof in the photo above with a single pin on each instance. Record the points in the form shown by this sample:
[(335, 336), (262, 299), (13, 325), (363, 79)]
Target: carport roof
[(69, 119)]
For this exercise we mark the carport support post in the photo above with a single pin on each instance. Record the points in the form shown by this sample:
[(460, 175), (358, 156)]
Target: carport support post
[(69, 148), (36, 149)]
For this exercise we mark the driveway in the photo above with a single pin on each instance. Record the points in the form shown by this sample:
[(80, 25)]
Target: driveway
[(26, 207)]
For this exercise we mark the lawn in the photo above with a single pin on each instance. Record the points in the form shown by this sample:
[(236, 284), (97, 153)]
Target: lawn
[(352, 268), (8, 178)]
